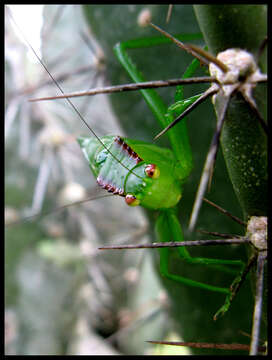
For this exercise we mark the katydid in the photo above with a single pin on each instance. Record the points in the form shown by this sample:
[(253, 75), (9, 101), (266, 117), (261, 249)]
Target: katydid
[(109, 159), (178, 170), (122, 166)]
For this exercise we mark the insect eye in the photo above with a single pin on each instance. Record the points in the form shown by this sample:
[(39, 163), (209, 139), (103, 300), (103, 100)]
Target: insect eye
[(152, 171), (131, 200)]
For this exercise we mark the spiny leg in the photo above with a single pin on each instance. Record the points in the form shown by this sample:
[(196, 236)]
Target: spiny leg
[(202, 98), (178, 138), (168, 219), (235, 287), (164, 262), (168, 222), (180, 111)]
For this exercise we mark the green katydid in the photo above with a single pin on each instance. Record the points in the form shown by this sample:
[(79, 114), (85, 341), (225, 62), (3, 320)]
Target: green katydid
[(120, 172), (182, 174), (142, 173), (135, 193)]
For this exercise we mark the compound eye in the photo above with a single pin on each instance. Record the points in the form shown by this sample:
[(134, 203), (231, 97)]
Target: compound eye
[(152, 171), (131, 200)]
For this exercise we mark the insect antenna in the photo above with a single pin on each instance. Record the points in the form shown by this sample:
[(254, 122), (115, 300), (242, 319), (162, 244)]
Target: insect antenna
[(67, 99), (60, 208), (198, 53)]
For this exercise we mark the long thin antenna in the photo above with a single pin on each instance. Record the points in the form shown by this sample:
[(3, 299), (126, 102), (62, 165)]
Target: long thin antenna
[(64, 96), (43, 214)]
